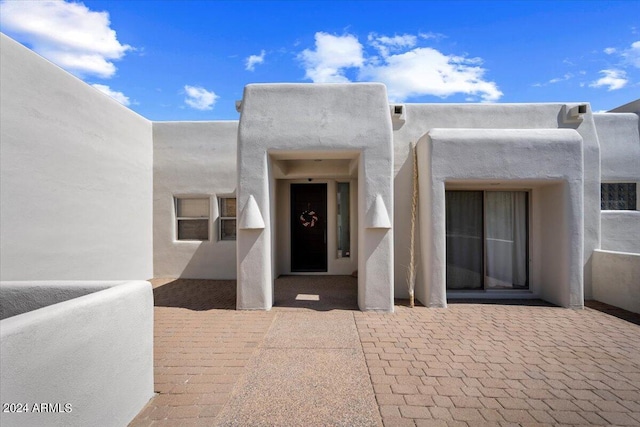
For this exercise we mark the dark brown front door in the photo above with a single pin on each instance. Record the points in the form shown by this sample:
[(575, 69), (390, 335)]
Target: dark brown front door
[(308, 227)]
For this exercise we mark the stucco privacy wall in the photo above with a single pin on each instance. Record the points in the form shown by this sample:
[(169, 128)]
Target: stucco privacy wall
[(550, 158), (76, 177), (421, 118), (192, 159), (616, 279), (620, 146), (619, 138), (322, 120), (94, 352), (621, 231)]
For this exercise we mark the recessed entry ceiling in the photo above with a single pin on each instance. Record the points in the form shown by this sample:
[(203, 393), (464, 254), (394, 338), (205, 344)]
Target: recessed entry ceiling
[(314, 165)]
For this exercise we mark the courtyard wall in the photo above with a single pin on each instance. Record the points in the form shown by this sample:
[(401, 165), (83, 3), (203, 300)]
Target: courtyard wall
[(75, 177)]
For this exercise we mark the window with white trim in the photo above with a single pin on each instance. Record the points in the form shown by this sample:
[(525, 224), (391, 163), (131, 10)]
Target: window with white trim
[(192, 218), (227, 218), (618, 196)]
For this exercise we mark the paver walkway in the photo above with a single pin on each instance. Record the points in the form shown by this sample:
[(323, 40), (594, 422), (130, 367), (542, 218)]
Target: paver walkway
[(501, 364), (304, 363)]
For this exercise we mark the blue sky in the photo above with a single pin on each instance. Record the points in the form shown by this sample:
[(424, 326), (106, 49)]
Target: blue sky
[(190, 60)]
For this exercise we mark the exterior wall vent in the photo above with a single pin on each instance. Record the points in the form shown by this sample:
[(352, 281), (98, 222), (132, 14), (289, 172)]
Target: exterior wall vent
[(574, 113), (398, 112), (578, 110)]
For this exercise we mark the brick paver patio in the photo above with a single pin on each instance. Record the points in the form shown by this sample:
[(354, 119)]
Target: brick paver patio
[(470, 364)]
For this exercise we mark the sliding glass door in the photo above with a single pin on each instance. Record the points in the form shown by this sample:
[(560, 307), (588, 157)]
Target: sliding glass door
[(487, 240), (465, 264)]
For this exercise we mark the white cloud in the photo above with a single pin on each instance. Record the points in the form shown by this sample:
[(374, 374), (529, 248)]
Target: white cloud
[(430, 35), (613, 79), (632, 55), (332, 55), (118, 96), (426, 71), (629, 56), (564, 78), (386, 44), (200, 98), (254, 60), (68, 34), (407, 69)]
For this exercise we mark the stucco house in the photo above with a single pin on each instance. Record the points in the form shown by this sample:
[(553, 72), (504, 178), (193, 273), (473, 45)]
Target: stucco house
[(513, 200)]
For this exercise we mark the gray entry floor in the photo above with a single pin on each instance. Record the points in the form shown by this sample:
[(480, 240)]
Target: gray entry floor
[(310, 368)]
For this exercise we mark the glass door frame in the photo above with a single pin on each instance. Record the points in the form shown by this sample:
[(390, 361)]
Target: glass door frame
[(527, 243)]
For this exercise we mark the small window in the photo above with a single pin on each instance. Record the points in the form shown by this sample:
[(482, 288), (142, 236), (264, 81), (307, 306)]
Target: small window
[(227, 218), (192, 215), (618, 196), (344, 235)]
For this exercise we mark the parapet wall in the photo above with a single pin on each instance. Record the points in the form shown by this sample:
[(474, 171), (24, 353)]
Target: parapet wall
[(88, 359), (621, 231), (23, 297)]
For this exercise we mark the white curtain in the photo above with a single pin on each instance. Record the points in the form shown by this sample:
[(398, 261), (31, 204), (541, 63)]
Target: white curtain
[(506, 239)]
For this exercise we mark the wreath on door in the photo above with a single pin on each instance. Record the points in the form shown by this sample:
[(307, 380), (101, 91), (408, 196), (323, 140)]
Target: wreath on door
[(308, 218)]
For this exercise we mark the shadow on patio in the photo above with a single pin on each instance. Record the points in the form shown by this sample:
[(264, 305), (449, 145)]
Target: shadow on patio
[(195, 294), (614, 311), (522, 302), (320, 293)]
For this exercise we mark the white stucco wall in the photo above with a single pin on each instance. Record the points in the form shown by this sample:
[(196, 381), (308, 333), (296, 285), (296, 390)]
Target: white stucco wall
[(192, 159), (76, 177), (619, 138), (553, 246), (93, 352), (616, 279), (318, 121), (619, 146), (621, 231), (421, 118), (549, 160)]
